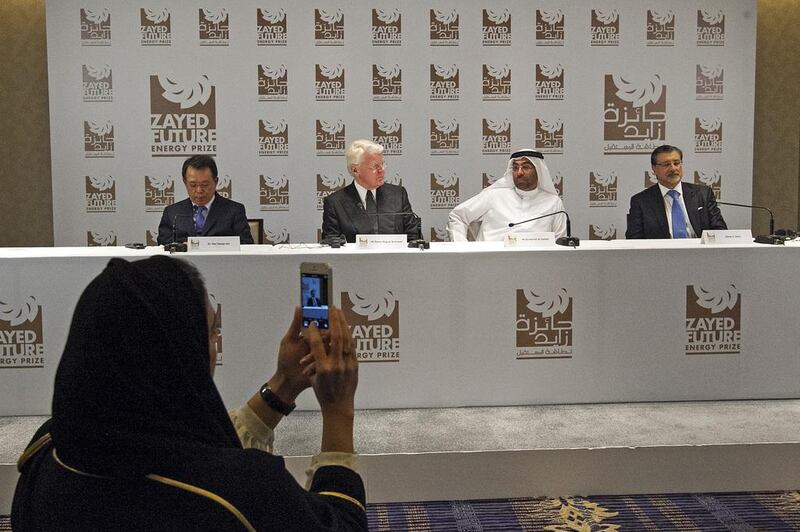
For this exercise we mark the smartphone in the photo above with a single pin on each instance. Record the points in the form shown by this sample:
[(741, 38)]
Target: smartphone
[(316, 293)]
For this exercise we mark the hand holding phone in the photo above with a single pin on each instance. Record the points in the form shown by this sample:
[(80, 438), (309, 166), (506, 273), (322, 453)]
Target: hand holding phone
[(316, 293)]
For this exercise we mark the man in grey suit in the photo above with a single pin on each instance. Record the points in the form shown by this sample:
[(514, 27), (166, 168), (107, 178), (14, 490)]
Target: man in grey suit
[(204, 212), (368, 205), (662, 210)]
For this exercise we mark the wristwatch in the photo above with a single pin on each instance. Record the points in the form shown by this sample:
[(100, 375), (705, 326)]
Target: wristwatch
[(274, 402)]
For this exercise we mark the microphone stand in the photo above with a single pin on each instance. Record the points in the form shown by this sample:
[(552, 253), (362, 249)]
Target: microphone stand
[(761, 239), (175, 246), (569, 240)]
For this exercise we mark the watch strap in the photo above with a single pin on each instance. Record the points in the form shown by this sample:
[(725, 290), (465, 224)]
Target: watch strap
[(275, 402)]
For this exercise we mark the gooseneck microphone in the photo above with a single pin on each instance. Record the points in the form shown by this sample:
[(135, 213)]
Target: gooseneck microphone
[(771, 217), (569, 240), (175, 246)]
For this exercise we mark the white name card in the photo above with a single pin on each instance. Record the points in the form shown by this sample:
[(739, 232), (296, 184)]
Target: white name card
[(212, 243), (381, 241), (715, 237), (529, 239)]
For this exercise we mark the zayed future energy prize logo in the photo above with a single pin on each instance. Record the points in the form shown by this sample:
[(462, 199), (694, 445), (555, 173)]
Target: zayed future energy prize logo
[(21, 338), (444, 82), (273, 83), (387, 27), (97, 83), (271, 27), (183, 116), (635, 114), (707, 135), (275, 236), (387, 83), (213, 27), (159, 192), (603, 189), (273, 192), (95, 27), (496, 28), (439, 233), (444, 136), (217, 306), (649, 179), (496, 137), (273, 138), (388, 134), (155, 27), (549, 82), (444, 27), (327, 184), (151, 237), (660, 28), (602, 232), (558, 183), (496, 83), (225, 186), (330, 137), (544, 325), (713, 320), (549, 27), (101, 238), (444, 191), (709, 82), (374, 320), (98, 139), (101, 194), (605, 27), (487, 179), (549, 136), (710, 27), (329, 83), (710, 178), (328, 27)]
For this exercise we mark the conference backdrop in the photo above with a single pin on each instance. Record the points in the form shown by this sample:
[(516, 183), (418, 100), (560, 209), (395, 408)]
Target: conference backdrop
[(277, 90)]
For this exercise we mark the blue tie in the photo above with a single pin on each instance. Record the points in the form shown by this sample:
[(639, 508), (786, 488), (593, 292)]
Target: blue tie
[(199, 218), (678, 220)]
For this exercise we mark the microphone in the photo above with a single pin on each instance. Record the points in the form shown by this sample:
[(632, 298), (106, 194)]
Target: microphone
[(176, 246), (761, 239), (569, 240), (415, 219)]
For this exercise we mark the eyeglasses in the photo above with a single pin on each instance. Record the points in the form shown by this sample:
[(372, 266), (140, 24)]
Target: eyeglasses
[(525, 167), (668, 164), (376, 167)]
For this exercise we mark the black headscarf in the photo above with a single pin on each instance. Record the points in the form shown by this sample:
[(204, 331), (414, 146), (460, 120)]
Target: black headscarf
[(133, 393)]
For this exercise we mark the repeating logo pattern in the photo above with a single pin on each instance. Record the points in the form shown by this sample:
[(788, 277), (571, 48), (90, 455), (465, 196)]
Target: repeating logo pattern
[(496, 137), (273, 83), (275, 236), (660, 28), (95, 27), (439, 234), (328, 27), (711, 179), (97, 83), (155, 27), (101, 194), (713, 320), (487, 179), (603, 189), (444, 191), (649, 179), (387, 27), (159, 192), (496, 28), (549, 27), (444, 83), (330, 137), (605, 27), (635, 115), (709, 84), (444, 136), (101, 238), (387, 83), (273, 192), (217, 306), (225, 186), (549, 82), (388, 134), (271, 28), (273, 138), (496, 84), (558, 182), (21, 338), (213, 27), (544, 325), (710, 27), (444, 27), (98, 139), (549, 136), (327, 185), (374, 320), (707, 135), (183, 116), (602, 232), (329, 83)]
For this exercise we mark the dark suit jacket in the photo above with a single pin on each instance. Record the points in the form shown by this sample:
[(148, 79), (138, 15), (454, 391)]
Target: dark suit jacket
[(343, 214), (225, 218), (648, 219)]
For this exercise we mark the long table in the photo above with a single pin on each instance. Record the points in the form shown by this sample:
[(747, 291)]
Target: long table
[(464, 324)]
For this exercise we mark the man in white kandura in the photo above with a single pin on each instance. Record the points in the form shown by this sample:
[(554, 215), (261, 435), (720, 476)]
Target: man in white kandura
[(525, 191)]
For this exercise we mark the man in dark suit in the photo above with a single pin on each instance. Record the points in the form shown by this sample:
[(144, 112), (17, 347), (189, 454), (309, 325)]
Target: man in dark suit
[(204, 212), (662, 210), (368, 205)]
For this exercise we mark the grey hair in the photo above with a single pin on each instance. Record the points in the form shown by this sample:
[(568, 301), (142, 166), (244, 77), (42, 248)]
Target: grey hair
[(356, 150)]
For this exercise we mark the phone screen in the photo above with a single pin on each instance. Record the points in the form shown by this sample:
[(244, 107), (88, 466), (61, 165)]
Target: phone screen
[(314, 294)]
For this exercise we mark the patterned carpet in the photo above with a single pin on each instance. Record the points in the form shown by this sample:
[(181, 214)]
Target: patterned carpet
[(701, 512)]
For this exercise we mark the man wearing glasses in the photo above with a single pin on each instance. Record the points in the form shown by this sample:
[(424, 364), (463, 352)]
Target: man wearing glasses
[(672, 208), (368, 205), (204, 212)]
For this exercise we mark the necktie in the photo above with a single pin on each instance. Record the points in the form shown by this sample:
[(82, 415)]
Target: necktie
[(678, 220), (199, 218), (372, 210)]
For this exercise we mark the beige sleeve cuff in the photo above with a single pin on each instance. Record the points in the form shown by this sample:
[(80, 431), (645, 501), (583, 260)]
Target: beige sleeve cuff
[(348, 460), (252, 432)]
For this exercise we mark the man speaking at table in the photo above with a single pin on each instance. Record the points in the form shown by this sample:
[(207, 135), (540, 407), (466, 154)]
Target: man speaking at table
[(368, 205), (204, 212), (525, 191), (662, 210)]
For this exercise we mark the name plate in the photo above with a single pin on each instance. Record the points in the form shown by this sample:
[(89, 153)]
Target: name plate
[(715, 237), (381, 241), (212, 243), (530, 239)]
